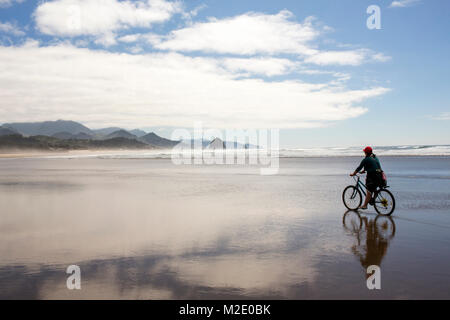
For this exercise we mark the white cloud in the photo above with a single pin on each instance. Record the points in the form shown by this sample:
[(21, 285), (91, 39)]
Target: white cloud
[(341, 76), (246, 34), (403, 3), (130, 38), (349, 57), (263, 66), (337, 57), (380, 57), (8, 3), (106, 40), (10, 28), (82, 43), (136, 49), (101, 88), (259, 34), (100, 18)]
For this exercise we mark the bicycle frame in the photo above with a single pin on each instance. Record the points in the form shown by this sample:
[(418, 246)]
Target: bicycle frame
[(360, 185), (363, 188)]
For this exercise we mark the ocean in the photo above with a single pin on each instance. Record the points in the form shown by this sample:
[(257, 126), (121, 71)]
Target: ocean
[(407, 150)]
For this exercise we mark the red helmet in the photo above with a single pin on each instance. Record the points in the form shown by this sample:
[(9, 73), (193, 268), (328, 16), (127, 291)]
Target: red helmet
[(367, 150)]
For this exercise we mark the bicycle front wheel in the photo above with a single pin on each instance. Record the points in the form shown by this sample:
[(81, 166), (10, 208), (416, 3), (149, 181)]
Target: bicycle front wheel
[(352, 198), (384, 202), (352, 221)]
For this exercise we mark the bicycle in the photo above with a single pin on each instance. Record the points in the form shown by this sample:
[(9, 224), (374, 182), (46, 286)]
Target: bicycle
[(384, 225), (372, 235), (382, 199)]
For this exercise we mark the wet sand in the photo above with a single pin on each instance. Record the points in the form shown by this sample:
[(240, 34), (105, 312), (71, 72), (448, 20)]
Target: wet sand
[(147, 229)]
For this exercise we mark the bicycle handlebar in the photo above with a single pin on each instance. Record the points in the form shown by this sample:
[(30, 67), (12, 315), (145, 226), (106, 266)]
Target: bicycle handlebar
[(357, 176)]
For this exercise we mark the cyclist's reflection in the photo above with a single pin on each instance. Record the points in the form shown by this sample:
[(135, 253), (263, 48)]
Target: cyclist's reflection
[(372, 234)]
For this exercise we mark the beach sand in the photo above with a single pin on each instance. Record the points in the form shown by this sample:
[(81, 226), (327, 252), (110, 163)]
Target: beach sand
[(68, 153), (149, 229)]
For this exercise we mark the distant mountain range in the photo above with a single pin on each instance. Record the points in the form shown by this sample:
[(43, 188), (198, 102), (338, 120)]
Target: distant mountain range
[(62, 134), (17, 141)]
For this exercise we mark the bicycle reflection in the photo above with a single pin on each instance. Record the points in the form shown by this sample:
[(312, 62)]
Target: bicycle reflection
[(372, 234)]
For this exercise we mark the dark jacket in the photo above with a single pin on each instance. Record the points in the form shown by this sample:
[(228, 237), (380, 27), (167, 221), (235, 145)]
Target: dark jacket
[(370, 164)]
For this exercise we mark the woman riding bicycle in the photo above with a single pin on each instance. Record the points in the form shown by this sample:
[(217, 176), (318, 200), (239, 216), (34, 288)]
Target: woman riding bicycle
[(372, 166)]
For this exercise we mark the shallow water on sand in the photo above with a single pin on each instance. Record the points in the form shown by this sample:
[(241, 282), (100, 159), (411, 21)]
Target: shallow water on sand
[(147, 229)]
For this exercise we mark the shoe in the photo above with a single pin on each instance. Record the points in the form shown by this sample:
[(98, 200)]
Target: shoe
[(362, 208)]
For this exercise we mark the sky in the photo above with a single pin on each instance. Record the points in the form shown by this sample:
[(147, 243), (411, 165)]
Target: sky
[(312, 69)]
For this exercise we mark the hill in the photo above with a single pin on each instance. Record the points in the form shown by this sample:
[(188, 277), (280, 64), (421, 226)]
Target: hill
[(51, 143), (7, 131), (121, 134), (62, 135), (48, 128), (105, 131), (138, 133), (82, 136), (154, 139)]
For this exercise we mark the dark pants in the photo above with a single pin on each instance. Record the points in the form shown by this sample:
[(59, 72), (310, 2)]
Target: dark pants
[(373, 181)]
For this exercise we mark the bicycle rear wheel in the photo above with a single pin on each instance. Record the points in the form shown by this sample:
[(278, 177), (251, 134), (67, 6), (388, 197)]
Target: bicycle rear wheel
[(384, 202), (352, 198)]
